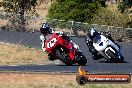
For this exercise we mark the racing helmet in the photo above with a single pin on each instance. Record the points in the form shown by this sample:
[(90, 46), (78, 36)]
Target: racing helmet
[(45, 28), (93, 32)]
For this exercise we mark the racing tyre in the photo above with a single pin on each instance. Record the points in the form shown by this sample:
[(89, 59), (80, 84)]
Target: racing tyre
[(62, 58), (114, 57), (82, 60), (122, 59)]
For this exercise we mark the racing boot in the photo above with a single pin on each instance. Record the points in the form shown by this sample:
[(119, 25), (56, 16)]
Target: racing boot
[(94, 57)]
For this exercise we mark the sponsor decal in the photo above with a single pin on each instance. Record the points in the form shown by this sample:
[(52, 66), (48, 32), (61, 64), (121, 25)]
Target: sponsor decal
[(84, 77)]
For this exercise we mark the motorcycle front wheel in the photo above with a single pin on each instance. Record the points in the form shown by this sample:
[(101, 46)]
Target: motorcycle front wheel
[(114, 57)]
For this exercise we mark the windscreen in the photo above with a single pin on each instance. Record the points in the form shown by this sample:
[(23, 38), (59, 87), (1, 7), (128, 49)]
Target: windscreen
[(97, 39)]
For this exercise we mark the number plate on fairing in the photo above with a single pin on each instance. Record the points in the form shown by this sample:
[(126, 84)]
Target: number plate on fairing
[(100, 42), (51, 43)]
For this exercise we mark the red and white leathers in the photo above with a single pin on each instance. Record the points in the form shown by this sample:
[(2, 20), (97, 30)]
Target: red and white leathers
[(44, 38)]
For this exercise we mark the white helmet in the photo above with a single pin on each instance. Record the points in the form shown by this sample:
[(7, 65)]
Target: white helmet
[(93, 32)]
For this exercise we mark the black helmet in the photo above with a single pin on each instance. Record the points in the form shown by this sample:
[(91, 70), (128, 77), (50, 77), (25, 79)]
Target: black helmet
[(45, 28), (93, 32)]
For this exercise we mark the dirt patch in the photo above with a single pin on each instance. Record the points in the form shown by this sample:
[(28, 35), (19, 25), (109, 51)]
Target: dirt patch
[(31, 80)]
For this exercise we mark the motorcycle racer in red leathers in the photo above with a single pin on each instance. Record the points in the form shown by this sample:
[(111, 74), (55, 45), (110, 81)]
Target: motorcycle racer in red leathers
[(46, 32)]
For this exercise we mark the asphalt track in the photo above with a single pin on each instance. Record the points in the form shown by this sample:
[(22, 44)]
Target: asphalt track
[(101, 66)]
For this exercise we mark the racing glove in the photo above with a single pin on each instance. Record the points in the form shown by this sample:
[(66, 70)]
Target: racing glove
[(74, 45), (89, 41), (42, 38)]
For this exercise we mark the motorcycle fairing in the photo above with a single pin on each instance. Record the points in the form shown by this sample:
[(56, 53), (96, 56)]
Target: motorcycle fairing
[(105, 42)]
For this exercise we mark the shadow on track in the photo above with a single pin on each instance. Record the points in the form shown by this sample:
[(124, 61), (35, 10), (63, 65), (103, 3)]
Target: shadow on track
[(75, 65), (113, 62)]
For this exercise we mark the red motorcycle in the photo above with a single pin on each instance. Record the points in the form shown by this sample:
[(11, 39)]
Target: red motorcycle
[(59, 46)]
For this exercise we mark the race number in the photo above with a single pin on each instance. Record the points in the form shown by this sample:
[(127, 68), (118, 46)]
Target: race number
[(51, 43)]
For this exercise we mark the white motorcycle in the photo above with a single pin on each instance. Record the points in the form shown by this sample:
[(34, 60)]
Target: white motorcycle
[(108, 49)]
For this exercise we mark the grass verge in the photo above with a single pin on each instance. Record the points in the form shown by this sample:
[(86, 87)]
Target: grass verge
[(14, 54), (21, 80)]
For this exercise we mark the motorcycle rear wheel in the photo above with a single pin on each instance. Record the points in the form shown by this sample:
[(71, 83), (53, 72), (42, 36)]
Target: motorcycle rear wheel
[(82, 61)]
